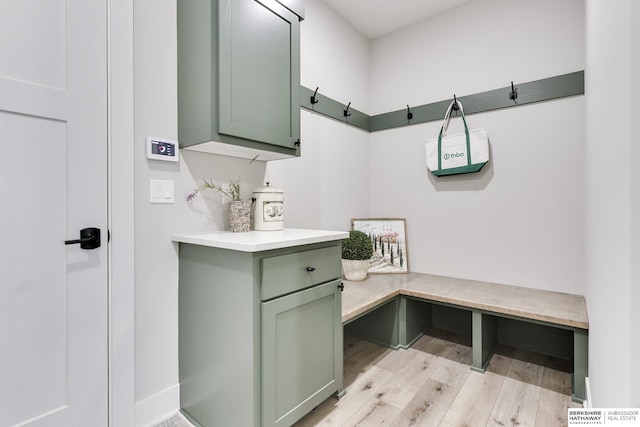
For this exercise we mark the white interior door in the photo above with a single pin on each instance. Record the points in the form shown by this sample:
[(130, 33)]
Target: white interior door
[(53, 183)]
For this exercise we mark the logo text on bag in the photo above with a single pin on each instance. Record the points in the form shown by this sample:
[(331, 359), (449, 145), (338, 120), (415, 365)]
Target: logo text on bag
[(447, 156)]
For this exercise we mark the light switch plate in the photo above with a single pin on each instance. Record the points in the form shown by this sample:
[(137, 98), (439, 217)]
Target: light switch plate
[(161, 191)]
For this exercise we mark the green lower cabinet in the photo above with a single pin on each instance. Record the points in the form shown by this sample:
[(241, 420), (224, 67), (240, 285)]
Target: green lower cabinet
[(301, 353), (260, 333)]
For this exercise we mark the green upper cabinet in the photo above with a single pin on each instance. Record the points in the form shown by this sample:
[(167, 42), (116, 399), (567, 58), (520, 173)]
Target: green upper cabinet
[(239, 77), (259, 72)]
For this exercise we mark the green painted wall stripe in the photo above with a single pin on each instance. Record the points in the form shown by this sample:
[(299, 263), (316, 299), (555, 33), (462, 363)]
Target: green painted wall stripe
[(561, 86)]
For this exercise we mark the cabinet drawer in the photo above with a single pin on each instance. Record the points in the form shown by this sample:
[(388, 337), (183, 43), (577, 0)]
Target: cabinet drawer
[(288, 273)]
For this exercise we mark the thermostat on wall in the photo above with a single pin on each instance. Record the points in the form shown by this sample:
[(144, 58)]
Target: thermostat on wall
[(162, 149)]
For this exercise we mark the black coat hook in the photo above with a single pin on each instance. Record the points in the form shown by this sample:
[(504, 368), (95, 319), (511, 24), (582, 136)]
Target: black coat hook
[(346, 112), (313, 98), (409, 113), (514, 92), (455, 103)]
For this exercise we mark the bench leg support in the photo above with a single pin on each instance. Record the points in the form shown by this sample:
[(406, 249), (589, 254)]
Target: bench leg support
[(580, 365), (484, 339)]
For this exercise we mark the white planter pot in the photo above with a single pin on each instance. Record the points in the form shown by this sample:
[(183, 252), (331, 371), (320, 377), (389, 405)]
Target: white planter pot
[(355, 269)]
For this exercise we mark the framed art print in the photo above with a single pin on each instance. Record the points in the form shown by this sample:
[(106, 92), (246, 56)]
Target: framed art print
[(389, 238)]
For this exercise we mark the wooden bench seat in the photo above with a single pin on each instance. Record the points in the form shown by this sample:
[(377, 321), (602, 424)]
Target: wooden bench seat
[(396, 309)]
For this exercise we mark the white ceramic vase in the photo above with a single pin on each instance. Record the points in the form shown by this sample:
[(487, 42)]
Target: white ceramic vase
[(355, 269)]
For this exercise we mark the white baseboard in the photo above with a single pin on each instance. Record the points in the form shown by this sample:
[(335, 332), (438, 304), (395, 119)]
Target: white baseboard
[(159, 407), (587, 401)]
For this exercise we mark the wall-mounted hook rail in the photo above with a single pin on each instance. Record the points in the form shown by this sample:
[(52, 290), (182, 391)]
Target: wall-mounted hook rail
[(409, 113), (455, 103), (346, 112), (550, 88), (514, 92), (313, 97), (335, 109)]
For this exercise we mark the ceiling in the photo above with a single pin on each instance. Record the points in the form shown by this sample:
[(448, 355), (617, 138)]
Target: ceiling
[(374, 18)]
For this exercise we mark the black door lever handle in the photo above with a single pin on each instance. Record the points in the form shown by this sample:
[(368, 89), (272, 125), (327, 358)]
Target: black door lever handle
[(89, 238)]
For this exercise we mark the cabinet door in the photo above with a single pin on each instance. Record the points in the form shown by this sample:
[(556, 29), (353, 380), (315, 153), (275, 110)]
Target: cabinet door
[(301, 352), (259, 71)]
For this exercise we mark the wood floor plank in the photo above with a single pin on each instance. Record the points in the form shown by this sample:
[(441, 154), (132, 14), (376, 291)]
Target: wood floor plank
[(429, 405), (365, 387), (359, 393), (501, 361), (360, 357), (555, 398), (396, 360), (352, 345), (432, 344), (527, 367), (474, 404), (320, 416), (402, 388), (517, 402), (375, 413), (455, 367), (518, 387)]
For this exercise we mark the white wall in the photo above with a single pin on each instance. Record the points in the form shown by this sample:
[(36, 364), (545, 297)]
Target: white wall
[(327, 185), (519, 221), (478, 46), (156, 274), (634, 295), (613, 202), (121, 215)]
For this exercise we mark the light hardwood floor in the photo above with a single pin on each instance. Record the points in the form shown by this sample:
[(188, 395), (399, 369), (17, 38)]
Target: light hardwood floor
[(431, 384)]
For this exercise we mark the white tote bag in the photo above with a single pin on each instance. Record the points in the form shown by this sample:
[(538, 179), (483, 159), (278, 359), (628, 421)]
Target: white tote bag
[(457, 154)]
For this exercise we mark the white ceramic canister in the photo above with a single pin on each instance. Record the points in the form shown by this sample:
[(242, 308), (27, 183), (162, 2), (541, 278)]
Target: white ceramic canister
[(268, 208)]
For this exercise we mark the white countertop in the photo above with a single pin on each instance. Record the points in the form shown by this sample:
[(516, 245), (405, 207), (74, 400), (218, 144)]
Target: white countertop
[(256, 241)]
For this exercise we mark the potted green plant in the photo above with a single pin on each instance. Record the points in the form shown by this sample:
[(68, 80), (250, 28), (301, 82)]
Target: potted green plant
[(357, 250), (239, 210)]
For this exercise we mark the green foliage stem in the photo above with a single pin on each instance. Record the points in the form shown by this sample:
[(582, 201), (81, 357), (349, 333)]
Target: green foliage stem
[(232, 191)]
